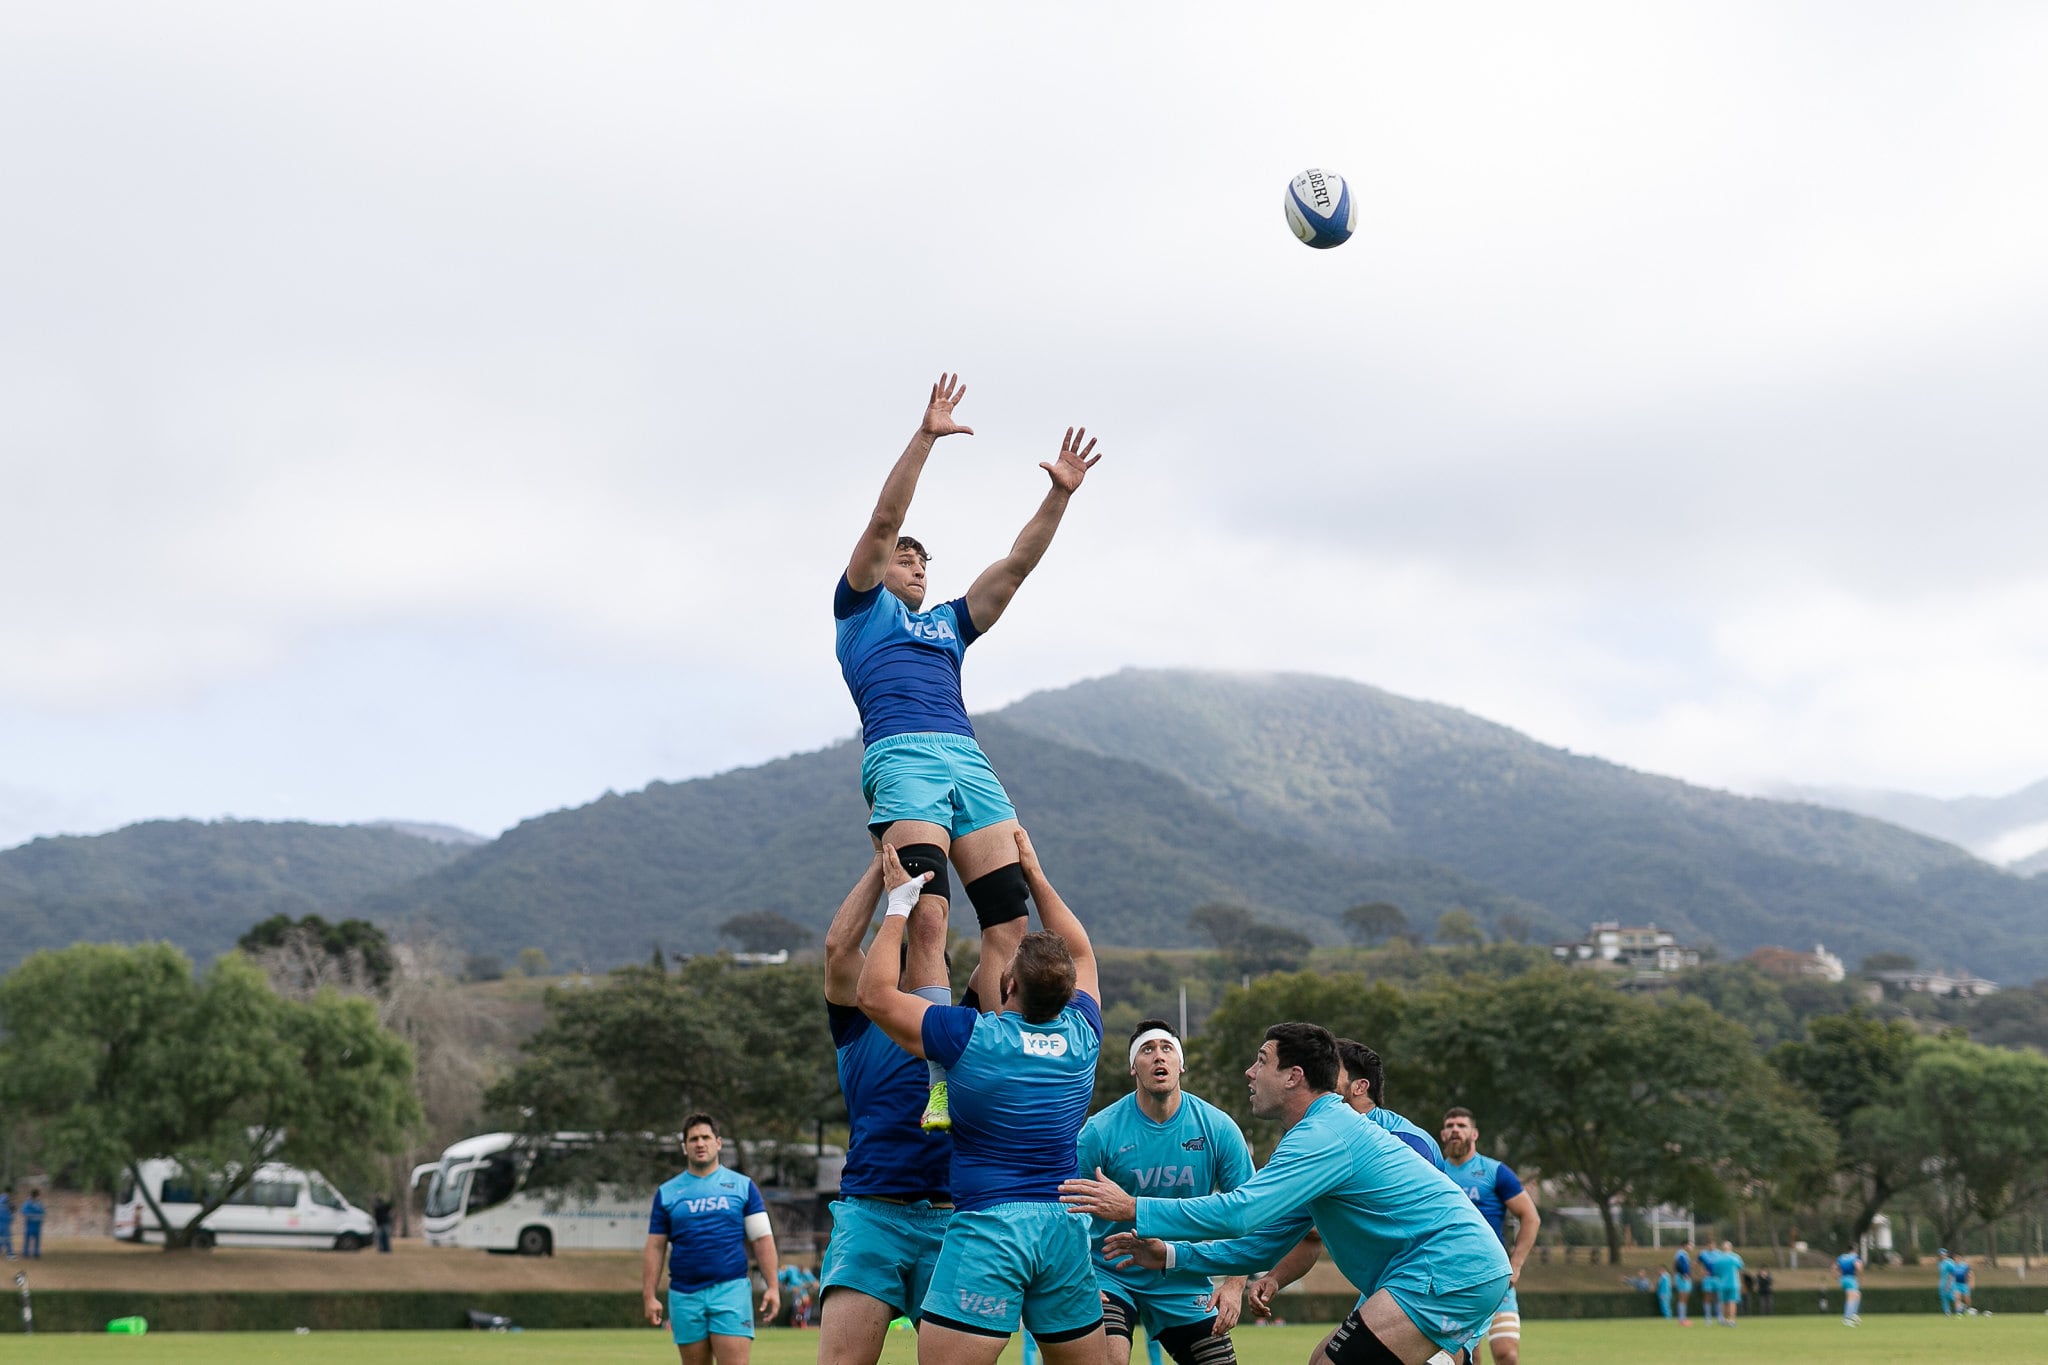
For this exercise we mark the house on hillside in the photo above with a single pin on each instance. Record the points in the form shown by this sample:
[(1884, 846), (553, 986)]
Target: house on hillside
[(1939, 981), (1644, 949), (1790, 964)]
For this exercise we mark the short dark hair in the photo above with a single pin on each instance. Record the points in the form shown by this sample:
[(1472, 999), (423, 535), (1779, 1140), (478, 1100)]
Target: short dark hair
[(913, 543), (1459, 1111), (695, 1119), (1147, 1024), (1043, 971), (1361, 1063), (1309, 1046)]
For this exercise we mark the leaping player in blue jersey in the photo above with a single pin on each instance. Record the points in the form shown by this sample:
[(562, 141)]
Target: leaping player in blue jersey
[(1021, 1080), (1496, 1192), (704, 1219), (929, 788), (1431, 1270), (894, 1199), (1160, 1140)]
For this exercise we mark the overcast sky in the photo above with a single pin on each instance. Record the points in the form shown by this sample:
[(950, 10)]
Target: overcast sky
[(453, 411)]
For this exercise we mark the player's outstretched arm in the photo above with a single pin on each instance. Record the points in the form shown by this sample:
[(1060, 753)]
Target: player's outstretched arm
[(1524, 1209), (991, 592), (843, 957), (885, 523), (881, 997), (1054, 915)]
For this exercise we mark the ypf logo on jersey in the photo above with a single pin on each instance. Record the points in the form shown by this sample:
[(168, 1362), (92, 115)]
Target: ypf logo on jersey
[(1045, 1045)]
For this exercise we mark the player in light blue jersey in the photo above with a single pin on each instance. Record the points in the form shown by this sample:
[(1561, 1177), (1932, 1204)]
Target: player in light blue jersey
[(1947, 1286), (1431, 1270), (704, 1219), (1730, 1263), (890, 1218), (1849, 1266), (1161, 1141), (1361, 1082), (1496, 1192), (1021, 1080), (929, 788)]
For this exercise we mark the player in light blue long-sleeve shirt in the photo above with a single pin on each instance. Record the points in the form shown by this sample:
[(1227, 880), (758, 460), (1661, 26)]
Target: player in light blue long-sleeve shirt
[(1396, 1227)]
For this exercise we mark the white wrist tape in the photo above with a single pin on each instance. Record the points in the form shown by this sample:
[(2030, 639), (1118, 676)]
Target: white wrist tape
[(903, 899), (1169, 1256)]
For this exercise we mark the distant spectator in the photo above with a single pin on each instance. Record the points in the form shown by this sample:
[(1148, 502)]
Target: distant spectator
[(1763, 1291), (381, 1212), (7, 1224), (32, 1226), (1640, 1281), (1664, 1292)]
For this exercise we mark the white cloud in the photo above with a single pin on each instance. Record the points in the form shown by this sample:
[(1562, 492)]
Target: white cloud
[(1677, 400)]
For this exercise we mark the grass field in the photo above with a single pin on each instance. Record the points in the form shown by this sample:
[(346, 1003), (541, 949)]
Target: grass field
[(1925, 1340)]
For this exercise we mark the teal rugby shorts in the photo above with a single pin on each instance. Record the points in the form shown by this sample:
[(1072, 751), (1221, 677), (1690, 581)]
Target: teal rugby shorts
[(885, 1251), (941, 779), (1008, 1262), (1449, 1317), (1161, 1307), (725, 1309)]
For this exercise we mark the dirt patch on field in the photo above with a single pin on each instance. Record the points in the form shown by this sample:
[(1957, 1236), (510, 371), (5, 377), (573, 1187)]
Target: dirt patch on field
[(107, 1264)]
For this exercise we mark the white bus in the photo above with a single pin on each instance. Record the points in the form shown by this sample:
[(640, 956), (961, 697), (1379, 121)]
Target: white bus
[(282, 1206), (479, 1195)]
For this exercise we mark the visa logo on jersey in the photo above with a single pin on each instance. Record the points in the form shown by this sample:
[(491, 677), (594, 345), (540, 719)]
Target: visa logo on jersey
[(717, 1203), (1166, 1177), (1045, 1045), (931, 628)]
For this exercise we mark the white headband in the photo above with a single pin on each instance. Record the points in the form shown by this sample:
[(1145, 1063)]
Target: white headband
[(1147, 1036)]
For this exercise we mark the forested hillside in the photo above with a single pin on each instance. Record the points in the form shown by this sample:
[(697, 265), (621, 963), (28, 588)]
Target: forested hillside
[(198, 884)]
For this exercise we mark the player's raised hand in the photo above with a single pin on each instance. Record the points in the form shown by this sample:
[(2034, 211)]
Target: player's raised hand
[(1258, 1295), (1124, 1248), (1027, 856), (938, 414), (894, 873), (1074, 462), (1101, 1197)]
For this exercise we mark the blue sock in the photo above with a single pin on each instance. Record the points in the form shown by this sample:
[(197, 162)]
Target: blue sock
[(1030, 1350)]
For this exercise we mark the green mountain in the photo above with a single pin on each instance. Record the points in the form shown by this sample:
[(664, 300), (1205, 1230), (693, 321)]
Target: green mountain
[(1133, 848), (198, 884), (1357, 771), (1148, 793)]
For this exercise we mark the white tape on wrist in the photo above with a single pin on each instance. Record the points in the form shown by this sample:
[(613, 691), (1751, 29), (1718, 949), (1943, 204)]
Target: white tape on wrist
[(1169, 1256), (903, 899)]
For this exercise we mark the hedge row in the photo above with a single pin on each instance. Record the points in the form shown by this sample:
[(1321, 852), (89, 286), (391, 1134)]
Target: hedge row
[(81, 1310), (1622, 1303), (89, 1310)]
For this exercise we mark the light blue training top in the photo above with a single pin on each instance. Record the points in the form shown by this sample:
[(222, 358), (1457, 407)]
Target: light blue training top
[(1196, 1152), (1414, 1134), (1379, 1208)]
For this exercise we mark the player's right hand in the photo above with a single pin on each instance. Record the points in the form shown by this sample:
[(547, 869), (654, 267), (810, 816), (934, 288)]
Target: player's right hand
[(1258, 1295), (938, 414), (1027, 856), (652, 1306)]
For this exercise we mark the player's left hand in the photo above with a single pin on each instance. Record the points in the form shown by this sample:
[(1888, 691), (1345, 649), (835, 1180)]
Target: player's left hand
[(1125, 1248), (894, 874), (771, 1302), (1227, 1303), (1101, 1197), (1074, 461)]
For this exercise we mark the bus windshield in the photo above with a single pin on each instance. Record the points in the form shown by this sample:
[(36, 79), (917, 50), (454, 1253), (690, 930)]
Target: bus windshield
[(445, 1191)]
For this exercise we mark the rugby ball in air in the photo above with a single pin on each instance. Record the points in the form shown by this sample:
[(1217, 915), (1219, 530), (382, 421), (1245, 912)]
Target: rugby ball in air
[(1321, 209)]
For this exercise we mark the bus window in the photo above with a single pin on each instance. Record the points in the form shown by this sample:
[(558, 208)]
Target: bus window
[(495, 1183), (178, 1189)]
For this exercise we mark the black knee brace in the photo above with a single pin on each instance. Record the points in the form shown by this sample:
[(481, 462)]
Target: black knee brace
[(1353, 1343), (930, 858), (1000, 896)]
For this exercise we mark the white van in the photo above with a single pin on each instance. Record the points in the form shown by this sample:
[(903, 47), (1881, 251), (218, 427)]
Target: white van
[(282, 1207)]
